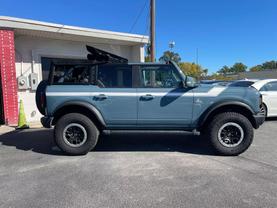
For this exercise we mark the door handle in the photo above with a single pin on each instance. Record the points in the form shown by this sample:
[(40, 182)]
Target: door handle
[(147, 97), (101, 97)]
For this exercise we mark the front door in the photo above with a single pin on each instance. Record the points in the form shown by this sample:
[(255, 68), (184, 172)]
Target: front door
[(269, 92), (161, 100)]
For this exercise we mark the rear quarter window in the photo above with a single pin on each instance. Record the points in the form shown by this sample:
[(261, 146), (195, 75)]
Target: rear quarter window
[(74, 74)]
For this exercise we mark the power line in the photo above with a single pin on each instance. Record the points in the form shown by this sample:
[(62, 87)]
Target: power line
[(147, 24), (139, 15)]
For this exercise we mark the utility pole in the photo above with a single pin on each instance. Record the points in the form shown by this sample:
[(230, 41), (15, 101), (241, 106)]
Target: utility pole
[(153, 30)]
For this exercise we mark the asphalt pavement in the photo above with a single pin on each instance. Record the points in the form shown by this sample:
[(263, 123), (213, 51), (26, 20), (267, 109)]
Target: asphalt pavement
[(137, 170)]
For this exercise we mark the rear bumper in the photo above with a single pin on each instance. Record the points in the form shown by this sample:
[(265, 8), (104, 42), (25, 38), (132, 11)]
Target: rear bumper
[(259, 119), (46, 121)]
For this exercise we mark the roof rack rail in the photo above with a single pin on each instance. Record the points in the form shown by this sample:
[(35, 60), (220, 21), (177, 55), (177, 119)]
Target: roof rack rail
[(100, 56)]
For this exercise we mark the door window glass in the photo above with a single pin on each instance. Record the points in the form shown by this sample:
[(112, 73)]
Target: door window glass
[(163, 76), (271, 86), (114, 76)]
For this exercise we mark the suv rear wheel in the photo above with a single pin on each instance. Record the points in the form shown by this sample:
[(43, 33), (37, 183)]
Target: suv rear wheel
[(76, 134), (230, 133)]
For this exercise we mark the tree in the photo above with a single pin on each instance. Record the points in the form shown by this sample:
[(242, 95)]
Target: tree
[(170, 56), (265, 66), (147, 58), (238, 67), (270, 65), (217, 76), (192, 69), (256, 68), (224, 70)]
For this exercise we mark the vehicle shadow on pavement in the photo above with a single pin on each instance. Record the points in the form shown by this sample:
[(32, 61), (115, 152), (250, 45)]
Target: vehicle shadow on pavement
[(41, 141), (271, 119), (36, 140)]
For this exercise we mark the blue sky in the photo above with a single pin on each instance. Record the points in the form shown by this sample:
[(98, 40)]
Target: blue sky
[(224, 31)]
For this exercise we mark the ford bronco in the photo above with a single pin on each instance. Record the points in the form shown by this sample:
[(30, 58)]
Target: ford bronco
[(105, 93)]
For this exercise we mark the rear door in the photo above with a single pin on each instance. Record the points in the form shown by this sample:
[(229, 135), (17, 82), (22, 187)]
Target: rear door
[(114, 95), (161, 100)]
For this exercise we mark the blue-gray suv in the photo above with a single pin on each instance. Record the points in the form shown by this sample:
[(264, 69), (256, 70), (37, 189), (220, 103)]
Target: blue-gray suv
[(105, 93)]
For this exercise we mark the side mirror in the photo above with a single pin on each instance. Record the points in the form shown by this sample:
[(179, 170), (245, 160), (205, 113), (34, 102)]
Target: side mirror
[(191, 82)]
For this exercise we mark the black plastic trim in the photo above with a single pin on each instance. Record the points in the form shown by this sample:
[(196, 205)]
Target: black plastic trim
[(259, 120), (217, 105)]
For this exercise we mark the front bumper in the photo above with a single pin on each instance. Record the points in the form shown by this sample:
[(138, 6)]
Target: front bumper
[(46, 121), (259, 119)]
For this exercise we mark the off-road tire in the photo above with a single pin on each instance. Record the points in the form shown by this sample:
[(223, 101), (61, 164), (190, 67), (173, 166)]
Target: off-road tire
[(80, 119), (221, 119)]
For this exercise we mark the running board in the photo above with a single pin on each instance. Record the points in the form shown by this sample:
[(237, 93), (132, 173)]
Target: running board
[(193, 132)]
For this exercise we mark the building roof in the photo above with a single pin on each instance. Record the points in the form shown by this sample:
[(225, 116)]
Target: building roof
[(65, 32)]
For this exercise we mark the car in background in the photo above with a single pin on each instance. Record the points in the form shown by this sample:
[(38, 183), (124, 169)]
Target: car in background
[(243, 83), (268, 88)]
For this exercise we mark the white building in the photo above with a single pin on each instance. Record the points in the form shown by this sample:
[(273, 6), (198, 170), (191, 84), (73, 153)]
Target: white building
[(30, 45)]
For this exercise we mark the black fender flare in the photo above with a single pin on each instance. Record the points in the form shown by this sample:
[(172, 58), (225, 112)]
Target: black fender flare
[(83, 104), (205, 115)]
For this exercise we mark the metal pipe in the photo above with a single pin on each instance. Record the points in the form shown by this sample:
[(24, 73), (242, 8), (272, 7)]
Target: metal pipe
[(153, 30)]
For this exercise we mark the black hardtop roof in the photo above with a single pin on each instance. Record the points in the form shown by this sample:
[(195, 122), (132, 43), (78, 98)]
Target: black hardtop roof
[(87, 62), (97, 57)]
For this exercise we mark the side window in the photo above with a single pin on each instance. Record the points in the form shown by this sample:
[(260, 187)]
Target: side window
[(163, 76), (271, 86), (71, 74), (114, 76)]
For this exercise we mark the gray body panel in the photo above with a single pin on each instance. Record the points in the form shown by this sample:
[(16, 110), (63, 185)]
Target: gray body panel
[(131, 108)]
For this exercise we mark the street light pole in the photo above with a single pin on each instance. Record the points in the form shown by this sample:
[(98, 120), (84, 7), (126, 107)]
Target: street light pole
[(153, 30)]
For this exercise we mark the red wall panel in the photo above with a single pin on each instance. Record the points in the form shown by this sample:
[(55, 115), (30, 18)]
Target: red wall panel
[(8, 77)]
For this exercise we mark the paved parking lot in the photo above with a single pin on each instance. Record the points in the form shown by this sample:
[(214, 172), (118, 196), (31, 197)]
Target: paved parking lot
[(145, 170)]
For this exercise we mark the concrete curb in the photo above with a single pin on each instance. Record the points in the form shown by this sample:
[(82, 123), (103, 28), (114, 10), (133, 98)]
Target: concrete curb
[(5, 129)]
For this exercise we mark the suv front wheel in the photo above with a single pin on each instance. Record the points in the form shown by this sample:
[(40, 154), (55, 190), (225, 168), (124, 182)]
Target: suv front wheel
[(76, 134), (230, 133)]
